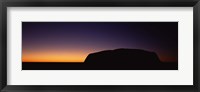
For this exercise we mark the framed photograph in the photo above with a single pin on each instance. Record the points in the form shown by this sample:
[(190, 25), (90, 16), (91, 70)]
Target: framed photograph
[(87, 45)]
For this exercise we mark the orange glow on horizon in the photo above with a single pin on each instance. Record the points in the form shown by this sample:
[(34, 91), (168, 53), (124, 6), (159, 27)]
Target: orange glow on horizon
[(54, 56), (71, 55)]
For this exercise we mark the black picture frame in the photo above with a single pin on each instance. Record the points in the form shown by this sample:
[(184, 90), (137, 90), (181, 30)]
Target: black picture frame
[(97, 3)]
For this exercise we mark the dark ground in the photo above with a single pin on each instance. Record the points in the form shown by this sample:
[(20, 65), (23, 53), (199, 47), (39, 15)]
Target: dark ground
[(83, 66)]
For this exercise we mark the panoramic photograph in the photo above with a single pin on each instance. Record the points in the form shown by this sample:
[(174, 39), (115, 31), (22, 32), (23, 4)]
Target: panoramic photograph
[(99, 45)]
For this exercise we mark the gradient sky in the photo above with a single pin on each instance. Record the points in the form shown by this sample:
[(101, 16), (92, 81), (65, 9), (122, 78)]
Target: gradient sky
[(73, 41)]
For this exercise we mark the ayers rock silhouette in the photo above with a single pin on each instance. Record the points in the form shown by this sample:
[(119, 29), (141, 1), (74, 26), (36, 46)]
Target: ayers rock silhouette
[(125, 59)]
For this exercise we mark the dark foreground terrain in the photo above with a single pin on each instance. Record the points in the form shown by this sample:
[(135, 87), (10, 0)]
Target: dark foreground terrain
[(119, 59)]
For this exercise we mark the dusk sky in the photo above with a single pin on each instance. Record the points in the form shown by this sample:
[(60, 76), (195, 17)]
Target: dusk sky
[(73, 41)]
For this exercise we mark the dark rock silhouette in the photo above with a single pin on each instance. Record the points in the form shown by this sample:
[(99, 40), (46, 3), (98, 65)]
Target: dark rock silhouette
[(118, 59), (127, 58), (133, 56)]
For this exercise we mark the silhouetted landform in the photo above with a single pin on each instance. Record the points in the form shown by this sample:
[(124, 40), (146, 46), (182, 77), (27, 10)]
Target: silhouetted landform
[(118, 59)]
